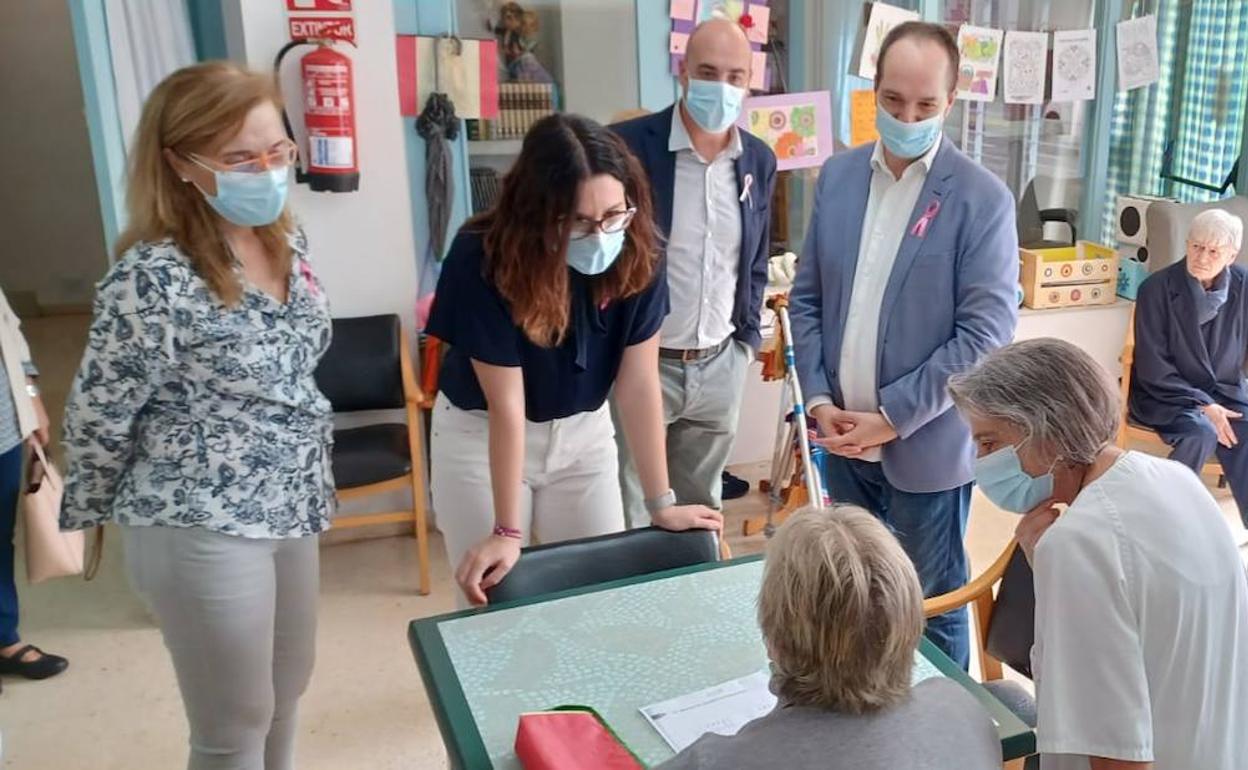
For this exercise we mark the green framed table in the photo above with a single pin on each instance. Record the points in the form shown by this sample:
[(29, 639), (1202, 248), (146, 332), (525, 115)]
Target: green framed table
[(616, 647)]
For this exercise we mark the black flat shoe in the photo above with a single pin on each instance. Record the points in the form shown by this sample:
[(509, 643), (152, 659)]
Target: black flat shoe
[(41, 667), (734, 487)]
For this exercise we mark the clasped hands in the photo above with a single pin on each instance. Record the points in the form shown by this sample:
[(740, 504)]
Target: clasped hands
[(849, 434)]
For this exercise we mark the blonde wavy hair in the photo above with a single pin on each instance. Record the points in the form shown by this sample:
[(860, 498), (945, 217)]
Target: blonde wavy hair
[(196, 110), (841, 609)]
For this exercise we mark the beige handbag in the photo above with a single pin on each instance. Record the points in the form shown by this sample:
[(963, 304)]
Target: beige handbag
[(51, 553)]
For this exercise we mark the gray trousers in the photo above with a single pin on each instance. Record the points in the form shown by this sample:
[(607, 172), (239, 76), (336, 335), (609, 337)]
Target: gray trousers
[(701, 403), (239, 618)]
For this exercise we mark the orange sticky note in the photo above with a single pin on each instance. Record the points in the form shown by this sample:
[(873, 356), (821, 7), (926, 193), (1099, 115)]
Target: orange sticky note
[(862, 117)]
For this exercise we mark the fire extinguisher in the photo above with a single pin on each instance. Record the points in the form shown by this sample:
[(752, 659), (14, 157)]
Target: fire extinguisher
[(330, 160)]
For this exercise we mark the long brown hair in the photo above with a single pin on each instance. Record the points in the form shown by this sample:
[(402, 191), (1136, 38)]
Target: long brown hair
[(526, 233), (195, 110)]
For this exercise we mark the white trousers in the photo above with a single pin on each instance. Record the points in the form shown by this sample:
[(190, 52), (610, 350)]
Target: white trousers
[(570, 486)]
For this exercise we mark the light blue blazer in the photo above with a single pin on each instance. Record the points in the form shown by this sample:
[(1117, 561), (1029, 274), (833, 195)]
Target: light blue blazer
[(951, 299)]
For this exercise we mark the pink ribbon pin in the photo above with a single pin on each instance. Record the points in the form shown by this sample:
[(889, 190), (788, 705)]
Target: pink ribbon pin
[(920, 227), (306, 271)]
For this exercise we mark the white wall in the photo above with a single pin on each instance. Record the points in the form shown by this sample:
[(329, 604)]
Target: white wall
[(362, 243), (51, 237)]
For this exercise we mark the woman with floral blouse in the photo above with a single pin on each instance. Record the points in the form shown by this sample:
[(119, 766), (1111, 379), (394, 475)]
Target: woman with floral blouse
[(195, 423)]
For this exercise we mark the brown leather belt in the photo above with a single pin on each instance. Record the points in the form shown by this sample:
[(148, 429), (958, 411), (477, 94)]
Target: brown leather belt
[(687, 356)]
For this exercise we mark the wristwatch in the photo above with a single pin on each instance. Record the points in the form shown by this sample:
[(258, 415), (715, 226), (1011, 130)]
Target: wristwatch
[(665, 500), (32, 390)]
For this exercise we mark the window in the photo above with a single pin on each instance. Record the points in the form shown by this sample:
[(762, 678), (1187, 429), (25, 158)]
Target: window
[(1024, 145), (1195, 110)]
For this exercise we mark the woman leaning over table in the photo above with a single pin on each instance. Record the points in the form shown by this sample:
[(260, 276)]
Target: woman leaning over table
[(195, 423), (548, 302)]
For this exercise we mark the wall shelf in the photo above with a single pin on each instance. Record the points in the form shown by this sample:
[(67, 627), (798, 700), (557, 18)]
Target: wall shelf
[(495, 147)]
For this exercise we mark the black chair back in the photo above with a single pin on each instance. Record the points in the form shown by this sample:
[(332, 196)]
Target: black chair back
[(361, 370), (543, 569), (1012, 630)]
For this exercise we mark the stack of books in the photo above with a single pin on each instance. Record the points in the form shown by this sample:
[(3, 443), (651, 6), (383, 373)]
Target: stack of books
[(485, 187), (520, 105)]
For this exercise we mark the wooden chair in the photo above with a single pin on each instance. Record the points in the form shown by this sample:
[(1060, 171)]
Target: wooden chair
[(368, 367), (1133, 436), (979, 595)]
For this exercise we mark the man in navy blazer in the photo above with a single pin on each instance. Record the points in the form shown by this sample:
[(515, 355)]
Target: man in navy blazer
[(711, 184), (908, 276), (1191, 334)]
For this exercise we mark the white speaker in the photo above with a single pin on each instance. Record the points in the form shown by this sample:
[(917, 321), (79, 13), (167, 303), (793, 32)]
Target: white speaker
[(1131, 222)]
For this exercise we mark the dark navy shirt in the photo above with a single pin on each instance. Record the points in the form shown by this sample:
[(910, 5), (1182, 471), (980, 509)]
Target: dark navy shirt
[(575, 376)]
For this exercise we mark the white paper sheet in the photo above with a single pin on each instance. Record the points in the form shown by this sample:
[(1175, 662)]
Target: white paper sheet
[(723, 709), (980, 49), (1025, 65), (1074, 65), (1137, 53), (882, 19)]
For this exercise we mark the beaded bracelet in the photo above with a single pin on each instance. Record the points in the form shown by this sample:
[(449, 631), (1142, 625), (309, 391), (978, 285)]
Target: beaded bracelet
[(501, 531)]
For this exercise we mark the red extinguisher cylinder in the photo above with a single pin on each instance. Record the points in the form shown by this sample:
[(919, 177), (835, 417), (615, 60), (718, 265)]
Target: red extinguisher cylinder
[(332, 159)]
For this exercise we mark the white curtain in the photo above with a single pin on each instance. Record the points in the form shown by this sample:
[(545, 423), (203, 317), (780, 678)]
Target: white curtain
[(148, 39)]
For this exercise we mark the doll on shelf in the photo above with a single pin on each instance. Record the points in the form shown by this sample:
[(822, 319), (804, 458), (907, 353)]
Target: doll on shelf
[(517, 39)]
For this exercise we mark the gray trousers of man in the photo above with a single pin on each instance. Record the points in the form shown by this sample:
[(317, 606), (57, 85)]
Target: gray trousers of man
[(701, 404), (238, 616)]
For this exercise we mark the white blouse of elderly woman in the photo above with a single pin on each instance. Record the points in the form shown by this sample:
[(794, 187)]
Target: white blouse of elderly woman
[(1141, 551)]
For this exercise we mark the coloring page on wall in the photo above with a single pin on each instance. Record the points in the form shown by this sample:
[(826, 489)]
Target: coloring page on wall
[(882, 19), (980, 49), (1137, 53), (1023, 67), (797, 127), (1074, 65)]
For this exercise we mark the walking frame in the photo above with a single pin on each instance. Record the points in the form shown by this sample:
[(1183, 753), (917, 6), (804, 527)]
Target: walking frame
[(790, 486)]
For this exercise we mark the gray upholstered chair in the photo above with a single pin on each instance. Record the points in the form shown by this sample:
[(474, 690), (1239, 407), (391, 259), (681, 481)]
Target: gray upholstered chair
[(1168, 223)]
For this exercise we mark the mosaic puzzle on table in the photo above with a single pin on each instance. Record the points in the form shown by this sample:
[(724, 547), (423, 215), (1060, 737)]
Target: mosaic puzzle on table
[(615, 651)]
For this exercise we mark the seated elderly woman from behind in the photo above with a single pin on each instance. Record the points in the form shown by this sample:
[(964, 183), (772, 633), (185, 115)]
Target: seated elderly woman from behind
[(841, 611), (1141, 602), (1191, 335)]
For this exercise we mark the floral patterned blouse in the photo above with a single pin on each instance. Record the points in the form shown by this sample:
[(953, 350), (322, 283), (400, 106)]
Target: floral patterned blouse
[(188, 413)]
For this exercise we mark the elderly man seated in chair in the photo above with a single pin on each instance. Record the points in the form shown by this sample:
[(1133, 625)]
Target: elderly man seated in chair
[(1191, 336)]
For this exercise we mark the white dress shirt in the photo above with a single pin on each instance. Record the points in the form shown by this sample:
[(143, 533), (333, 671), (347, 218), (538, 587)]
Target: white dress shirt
[(1141, 648), (704, 246), (889, 206)]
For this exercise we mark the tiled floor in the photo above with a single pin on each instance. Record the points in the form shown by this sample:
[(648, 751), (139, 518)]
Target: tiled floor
[(117, 708)]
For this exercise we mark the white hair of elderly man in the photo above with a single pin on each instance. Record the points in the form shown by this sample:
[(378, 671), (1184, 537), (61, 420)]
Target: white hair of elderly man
[(1216, 227)]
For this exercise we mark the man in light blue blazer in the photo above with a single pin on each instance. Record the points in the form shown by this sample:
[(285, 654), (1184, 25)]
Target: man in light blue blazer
[(908, 276)]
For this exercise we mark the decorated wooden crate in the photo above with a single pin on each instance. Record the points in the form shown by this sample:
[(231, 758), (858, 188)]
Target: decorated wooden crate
[(1083, 274)]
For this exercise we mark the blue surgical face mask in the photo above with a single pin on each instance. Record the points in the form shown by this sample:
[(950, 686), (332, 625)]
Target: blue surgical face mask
[(907, 140), (595, 253), (713, 105), (1001, 477), (249, 199)]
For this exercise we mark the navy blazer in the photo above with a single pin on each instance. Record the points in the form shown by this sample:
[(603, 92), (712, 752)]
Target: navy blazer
[(1180, 367), (647, 137)]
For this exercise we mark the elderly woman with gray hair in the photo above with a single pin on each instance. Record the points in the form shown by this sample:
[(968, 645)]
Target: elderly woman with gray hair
[(1191, 334), (841, 611), (1141, 648)]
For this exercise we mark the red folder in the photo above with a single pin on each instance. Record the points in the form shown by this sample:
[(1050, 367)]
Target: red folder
[(570, 739)]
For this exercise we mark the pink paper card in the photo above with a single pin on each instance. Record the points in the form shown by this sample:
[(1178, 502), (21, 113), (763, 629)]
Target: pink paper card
[(679, 42), (682, 9), (761, 16), (758, 74)]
